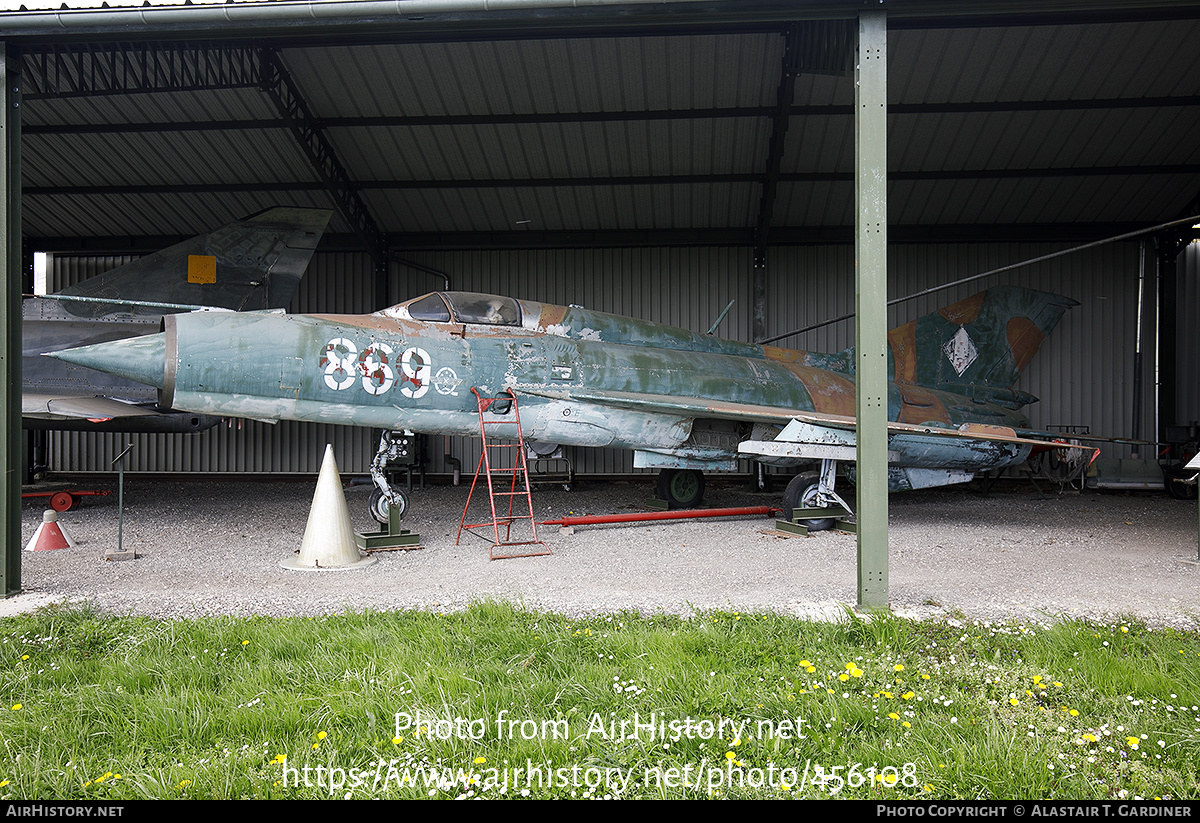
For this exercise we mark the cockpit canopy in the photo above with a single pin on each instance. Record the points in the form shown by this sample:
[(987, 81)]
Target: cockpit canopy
[(466, 307)]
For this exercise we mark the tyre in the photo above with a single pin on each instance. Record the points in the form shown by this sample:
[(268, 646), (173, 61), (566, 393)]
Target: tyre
[(1174, 479), (380, 508), (801, 493), (62, 501), (681, 488)]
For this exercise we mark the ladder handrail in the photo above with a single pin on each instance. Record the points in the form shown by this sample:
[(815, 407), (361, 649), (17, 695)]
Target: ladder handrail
[(521, 467)]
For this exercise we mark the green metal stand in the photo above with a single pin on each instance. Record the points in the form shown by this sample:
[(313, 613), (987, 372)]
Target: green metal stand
[(390, 537)]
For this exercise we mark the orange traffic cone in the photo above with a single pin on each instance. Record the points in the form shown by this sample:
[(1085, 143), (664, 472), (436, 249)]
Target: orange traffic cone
[(328, 542), (49, 535)]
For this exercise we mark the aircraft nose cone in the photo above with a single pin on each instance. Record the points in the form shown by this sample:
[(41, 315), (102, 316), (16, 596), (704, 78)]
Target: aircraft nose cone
[(137, 358)]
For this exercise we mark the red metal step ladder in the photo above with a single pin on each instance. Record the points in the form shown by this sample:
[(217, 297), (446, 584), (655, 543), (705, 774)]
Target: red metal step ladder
[(497, 461)]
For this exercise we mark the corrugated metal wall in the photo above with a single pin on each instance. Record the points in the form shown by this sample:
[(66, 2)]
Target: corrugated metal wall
[(1083, 375)]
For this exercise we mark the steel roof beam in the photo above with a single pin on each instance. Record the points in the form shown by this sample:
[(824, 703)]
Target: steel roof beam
[(419, 121), (98, 70), (631, 180), (373, 20), (784, 94), (631, 238), (279, 86)]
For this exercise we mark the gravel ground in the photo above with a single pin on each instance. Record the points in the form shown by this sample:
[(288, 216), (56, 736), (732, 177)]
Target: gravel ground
[(207, 548)]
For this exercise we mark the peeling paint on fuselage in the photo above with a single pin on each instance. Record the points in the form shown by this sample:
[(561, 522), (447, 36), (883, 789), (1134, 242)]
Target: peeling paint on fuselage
[(389, 371)]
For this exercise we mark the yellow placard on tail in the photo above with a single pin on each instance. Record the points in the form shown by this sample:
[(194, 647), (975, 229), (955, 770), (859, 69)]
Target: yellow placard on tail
[(202, 268)]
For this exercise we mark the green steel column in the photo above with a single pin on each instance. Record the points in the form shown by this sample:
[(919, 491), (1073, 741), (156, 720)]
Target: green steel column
[(870, 254), (10, 277)]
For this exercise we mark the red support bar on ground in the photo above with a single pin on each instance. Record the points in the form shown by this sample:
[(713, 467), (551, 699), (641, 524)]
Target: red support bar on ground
[(686, 514)]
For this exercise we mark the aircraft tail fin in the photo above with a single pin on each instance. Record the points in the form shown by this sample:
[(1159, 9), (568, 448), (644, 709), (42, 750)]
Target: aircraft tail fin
[(254, 263), (978, 346)]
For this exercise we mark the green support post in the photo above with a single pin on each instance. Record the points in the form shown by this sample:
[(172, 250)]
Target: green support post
[(870, 254), (10, 277)]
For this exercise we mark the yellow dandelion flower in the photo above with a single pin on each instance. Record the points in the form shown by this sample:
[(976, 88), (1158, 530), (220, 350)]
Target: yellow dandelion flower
[(906, 724), (843, 677), (908, 695), (1073, 712), (804, 664), (856, 672), (730, 756), (481, 760), (245, 642), (1132, 742), (322, 735), (16, 707), (1012, 701), (899, 667), (893, 716), (396, 740)]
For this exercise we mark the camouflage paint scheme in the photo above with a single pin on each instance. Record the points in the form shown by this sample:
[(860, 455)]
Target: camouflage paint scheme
[(254, 263), (586, 378)]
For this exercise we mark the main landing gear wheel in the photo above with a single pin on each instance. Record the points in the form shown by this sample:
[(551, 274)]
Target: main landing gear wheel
[(681, 488), (380, 508), (801, 493)]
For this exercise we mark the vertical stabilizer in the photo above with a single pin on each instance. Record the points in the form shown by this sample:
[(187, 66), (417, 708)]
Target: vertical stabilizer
[(252, 264), (978, 346)]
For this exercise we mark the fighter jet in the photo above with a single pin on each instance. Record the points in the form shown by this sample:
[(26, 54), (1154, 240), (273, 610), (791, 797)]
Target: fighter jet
[(684, 402), (255, 263)]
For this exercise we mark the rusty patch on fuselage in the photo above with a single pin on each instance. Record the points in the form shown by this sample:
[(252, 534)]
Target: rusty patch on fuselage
[(903, 340), (964, 311), (782, 355), (551, 315), (831, 393), (1024, 338)]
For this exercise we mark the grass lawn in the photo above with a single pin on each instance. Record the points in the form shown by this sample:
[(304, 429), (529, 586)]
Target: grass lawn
[(495, 701)]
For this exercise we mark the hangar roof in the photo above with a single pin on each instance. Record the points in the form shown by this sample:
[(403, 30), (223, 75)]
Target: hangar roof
[(467, 123)]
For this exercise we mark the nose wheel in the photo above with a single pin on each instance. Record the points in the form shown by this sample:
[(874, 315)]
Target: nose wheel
[(391, 447), (380, 507)]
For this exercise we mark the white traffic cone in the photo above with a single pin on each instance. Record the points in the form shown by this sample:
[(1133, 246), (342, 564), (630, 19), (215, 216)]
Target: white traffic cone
[(328, 542), (49, 535)]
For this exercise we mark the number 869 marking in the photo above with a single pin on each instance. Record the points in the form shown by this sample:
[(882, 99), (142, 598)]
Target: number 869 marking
[(341, 362)]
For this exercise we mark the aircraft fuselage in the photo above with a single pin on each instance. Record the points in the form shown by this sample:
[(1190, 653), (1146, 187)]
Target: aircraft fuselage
[(583, 378)]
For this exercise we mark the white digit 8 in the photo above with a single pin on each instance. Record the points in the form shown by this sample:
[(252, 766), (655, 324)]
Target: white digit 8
[(378, 376), (338, 359)]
